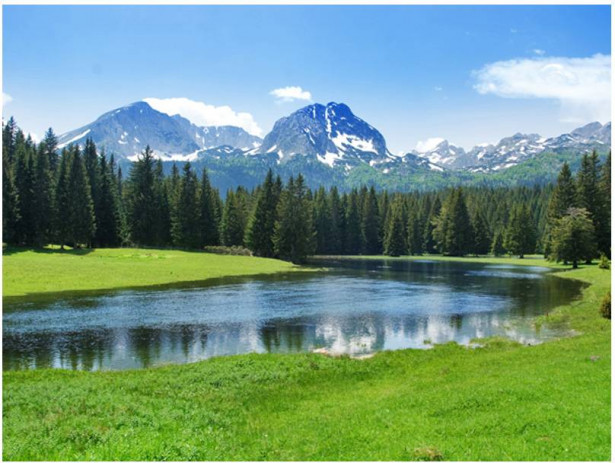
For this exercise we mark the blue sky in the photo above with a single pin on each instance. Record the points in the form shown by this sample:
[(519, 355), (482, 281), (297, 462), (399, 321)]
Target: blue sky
[(470, 74)]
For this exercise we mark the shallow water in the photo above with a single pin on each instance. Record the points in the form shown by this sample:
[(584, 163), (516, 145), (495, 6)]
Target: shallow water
[(356, 307)]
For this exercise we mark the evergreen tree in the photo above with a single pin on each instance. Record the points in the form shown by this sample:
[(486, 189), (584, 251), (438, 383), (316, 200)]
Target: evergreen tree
[(10, 200), (108, 220), (520, 236), (604, 237), (353, 225), (42, 198), (573, 237), (141, 200), (589, 198), (9, 132), (62, 212), (415, 237), (210, 217), (482, 237), (162, 234), (497, 246), (394, 237), (50, 149), (430, 244), (24, 183), (335, 230), (261, 226), (81, 209), (231, 226), (322, 221), (370, 224), (185, 222), (294, 230), (563, 196), (453, 231)]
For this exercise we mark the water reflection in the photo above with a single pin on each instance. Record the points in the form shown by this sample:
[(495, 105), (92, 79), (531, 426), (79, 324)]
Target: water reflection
[(359, 307)]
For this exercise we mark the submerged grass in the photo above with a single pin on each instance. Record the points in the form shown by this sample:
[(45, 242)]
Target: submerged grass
[(502, 401)]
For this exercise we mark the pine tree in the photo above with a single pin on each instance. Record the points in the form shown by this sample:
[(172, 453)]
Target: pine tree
[(453, 231), (42, 198), (62, 212), (604, 238), (210, 217), (261, 225), (108, 220), (185, 223), (429, 242), (50, 149), (294, 230), (564, 195), (481, 235), (10, 200), (520, 236), (353, 225), (162, 220), (415, 237), (141, 200), (231, 226), (394, 237), (322, 221), (24, 184), (9, 132), (589, 198), (497, 246), (334, 245), (370, 224), (573, 237), (81, 208)]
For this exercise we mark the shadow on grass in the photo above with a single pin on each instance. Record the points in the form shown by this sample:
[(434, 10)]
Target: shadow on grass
[(10, 250)]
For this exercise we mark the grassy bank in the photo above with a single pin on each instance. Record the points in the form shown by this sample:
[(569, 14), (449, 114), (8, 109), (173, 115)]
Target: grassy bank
[(50, 271), (499, 402)]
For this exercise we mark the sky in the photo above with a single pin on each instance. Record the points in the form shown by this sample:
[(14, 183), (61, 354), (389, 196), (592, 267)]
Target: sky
[(470, 74)]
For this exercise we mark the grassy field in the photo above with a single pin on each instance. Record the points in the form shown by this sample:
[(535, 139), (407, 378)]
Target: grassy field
[(51, 271), (499, 402)]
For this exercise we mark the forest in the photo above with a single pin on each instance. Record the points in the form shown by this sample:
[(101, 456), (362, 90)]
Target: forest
[(81, 198)]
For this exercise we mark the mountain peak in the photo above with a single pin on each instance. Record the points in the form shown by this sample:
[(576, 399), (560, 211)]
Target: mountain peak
[(331, 133)]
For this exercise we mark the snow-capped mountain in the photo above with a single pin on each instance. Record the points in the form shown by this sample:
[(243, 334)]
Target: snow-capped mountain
[(511, 151), (126, 132), (440, 152), (331, 133)]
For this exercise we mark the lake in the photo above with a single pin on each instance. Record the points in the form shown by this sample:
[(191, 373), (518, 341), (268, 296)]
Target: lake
[(356, 307)]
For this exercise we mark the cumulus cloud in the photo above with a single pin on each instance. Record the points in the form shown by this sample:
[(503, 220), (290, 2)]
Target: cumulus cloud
[(581, 85), (428, 145), (6, 99), (539, 52), (288, 94), (203, 114)]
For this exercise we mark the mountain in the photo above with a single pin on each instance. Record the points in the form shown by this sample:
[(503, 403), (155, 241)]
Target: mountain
[(126, 131), (332, 134), (514, 150), (330, 145)]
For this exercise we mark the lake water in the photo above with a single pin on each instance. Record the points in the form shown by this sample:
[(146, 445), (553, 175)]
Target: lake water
[(356, 307)]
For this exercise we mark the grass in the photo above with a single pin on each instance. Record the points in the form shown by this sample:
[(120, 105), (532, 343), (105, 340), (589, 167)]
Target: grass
[(28, 272), (502, 401)]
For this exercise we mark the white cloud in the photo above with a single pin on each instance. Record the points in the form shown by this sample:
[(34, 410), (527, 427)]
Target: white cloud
[(539, 52), (428, 145), (288, 94), (202, 114), (6, 99), (581, 85), (438, 89)]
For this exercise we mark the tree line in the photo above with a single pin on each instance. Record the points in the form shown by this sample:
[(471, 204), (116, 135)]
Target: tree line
[(79, 197)]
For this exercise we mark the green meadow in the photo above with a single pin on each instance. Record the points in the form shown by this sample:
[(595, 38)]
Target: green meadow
[(498, 401)]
